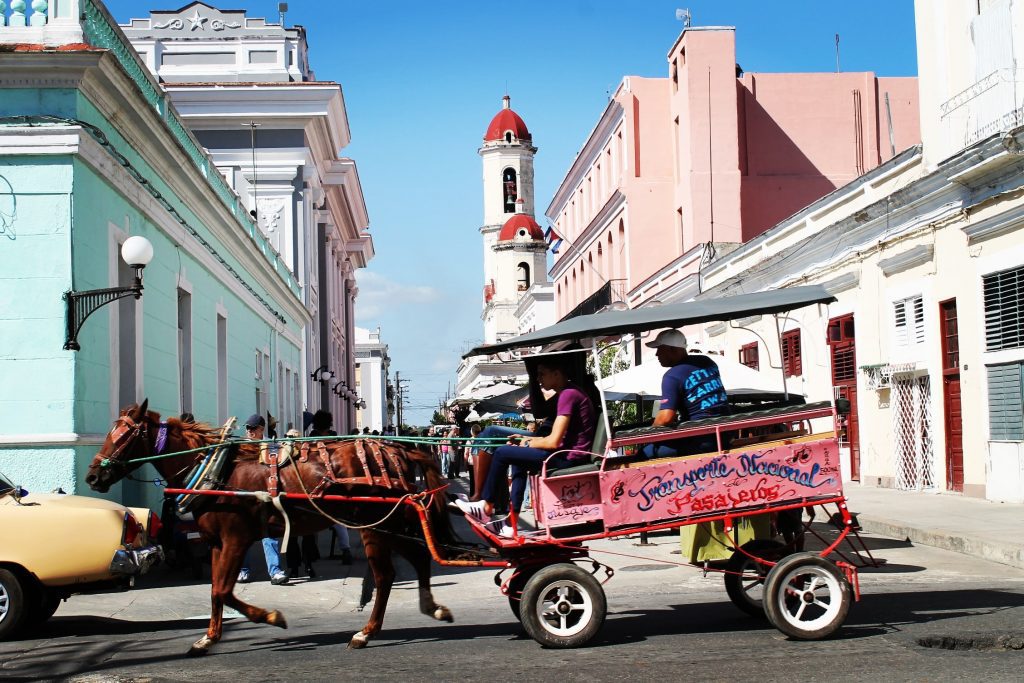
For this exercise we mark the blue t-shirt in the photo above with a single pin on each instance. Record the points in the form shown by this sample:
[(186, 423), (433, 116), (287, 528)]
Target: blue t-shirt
[(694, 389)]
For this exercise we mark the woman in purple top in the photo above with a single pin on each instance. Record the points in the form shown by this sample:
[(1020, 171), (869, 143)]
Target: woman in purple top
[(572, 435)]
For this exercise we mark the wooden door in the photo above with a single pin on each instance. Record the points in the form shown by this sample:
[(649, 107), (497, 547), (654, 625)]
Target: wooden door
[(951, 396), (844, 382)]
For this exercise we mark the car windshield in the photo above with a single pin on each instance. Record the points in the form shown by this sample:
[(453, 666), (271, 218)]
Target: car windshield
[(5, 485)]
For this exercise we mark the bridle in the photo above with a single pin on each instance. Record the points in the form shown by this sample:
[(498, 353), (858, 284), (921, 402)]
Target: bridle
[(125, 433)]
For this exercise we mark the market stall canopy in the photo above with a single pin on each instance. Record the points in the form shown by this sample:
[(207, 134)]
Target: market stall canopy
[(645, 380), (667, 315)]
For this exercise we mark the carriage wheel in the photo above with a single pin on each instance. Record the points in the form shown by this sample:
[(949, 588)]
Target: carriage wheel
[(13, 607), (563, 606), (744, 581), (806, 597)]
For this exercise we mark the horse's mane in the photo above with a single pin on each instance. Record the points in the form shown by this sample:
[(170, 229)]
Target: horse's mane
[(194, 434)]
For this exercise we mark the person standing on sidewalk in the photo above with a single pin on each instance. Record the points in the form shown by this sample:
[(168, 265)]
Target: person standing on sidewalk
[(254, 427)]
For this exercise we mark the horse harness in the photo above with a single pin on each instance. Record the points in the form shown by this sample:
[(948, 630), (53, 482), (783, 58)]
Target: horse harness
[(276, 458)]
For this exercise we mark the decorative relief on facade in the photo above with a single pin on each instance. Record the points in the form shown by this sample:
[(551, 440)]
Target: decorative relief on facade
[(270, 212), (197, 22)]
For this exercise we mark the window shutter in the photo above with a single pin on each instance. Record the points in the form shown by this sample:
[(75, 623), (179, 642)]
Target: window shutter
[(1004, 305), (900, 311), (1005, 402)]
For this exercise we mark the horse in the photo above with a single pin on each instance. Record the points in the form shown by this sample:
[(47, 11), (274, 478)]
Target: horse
[(230, 524)]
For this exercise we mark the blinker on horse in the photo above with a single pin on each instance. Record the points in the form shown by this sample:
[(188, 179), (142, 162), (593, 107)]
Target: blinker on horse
[(230, 524)]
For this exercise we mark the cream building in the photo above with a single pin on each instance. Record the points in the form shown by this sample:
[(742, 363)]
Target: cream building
[(926, 258), (245, 88)]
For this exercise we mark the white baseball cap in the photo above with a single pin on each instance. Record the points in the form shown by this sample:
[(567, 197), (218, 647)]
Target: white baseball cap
[(668, 338)]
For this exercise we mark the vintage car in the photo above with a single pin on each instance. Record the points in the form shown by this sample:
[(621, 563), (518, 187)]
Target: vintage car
[(54, 545)]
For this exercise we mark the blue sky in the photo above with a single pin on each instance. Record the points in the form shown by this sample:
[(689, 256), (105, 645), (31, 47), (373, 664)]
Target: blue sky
[(422, 81)]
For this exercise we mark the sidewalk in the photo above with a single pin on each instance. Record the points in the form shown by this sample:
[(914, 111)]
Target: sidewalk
[(981, 528)]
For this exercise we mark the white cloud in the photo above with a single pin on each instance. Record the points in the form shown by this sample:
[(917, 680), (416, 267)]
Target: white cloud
[(379, 294)]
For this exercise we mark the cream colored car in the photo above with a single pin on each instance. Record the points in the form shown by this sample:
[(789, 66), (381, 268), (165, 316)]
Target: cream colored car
[(55, 545)]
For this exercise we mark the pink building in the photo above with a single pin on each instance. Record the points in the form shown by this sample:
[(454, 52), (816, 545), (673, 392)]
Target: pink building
[(680, 168)]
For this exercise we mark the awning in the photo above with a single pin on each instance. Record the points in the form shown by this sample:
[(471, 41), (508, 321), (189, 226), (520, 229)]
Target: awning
[(668, 315)]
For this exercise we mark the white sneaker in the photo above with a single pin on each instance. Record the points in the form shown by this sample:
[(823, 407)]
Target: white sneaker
[(474, 510), (507, 532), (243, 576)]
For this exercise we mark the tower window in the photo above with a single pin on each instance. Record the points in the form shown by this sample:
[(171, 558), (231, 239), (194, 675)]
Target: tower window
[(510, 189), (508, 136), (523, 270)]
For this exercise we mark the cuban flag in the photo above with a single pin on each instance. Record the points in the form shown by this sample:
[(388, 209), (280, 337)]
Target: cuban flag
[(553, 240)]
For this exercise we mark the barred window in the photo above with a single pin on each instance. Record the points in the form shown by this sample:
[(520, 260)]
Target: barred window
[(792, 362), (1004, 306)]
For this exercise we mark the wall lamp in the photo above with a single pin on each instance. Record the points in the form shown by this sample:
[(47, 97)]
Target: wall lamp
[(337, 390), (322, 374), (137, 252)]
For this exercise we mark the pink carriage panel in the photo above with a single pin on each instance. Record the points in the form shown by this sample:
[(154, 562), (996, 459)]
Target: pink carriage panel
[(721, 483), (569, 500)]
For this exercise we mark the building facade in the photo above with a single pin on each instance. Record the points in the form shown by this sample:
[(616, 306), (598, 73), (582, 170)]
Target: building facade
[(246, 90), (926, 258), (93, 151), (376, 410), (705, 159)]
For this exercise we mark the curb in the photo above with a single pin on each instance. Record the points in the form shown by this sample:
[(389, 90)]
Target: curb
[(1003, 552)]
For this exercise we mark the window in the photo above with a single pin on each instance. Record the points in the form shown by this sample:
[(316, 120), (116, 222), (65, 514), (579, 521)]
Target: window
[(1004, 305), (222, 369), (510, 189), (844, 355), (909, 320), (185, 350), (950, 335), (748, 356), (524, 276), (792, 363), (259, 381), (1005, 402)]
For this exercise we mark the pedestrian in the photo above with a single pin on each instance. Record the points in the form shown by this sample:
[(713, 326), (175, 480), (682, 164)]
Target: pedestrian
[(254, 427)]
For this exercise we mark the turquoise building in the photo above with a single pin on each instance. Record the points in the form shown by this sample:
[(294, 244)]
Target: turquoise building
[(91, 153)]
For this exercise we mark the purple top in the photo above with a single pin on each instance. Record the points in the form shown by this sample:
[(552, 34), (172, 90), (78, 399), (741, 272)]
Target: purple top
[(579, 435)]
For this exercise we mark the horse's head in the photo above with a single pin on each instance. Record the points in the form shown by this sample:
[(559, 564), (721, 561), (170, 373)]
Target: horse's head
[(128, 440)]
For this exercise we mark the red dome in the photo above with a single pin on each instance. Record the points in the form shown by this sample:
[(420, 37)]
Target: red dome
[(506, 120), (518, 222)]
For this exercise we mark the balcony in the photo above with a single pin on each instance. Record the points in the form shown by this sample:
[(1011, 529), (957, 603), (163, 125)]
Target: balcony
[(612, 291)]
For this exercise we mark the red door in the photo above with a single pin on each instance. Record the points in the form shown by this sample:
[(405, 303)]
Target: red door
[(844, 382), (951, 395)]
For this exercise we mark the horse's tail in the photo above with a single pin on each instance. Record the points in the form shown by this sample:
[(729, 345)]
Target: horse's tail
[(440, 519)]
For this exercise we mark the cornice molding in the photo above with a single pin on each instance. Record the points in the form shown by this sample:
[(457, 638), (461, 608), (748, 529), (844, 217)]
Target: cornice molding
[(613, 114)]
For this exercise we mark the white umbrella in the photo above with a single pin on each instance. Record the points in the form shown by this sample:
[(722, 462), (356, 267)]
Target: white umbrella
[(645, 380)]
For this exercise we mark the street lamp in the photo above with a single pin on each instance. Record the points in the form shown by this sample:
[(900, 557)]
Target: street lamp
[(322, 374), (137, 252)]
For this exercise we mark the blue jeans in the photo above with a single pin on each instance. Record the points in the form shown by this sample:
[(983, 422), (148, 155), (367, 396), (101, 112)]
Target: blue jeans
[(688, 446), (495, 432), (523, 461), (272, 554), (446, 462)]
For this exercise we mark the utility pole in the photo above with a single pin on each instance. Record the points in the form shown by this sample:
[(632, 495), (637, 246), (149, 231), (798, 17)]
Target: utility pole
[(400, 395)]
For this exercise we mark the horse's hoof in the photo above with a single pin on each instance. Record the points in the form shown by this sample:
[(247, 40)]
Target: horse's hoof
[(200, 647), (276, 618), (443, 614), (358, 642)]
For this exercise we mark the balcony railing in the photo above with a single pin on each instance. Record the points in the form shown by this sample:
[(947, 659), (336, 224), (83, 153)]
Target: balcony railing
[(612, 291)]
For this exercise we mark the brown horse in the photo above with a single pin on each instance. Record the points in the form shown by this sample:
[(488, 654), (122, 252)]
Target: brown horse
[(231, 524)]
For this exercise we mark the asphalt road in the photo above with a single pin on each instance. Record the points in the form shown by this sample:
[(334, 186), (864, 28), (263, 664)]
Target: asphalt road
[(664, 622)]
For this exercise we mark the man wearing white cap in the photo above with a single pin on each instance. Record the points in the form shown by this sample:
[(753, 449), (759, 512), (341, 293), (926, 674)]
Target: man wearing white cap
[(691, 389)]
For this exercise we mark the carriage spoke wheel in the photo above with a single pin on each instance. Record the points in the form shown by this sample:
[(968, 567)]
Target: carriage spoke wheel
[(745, 576), (806, 597), (563, 606)]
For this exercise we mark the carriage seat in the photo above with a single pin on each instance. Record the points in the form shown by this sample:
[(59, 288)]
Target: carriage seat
[(593, 463)]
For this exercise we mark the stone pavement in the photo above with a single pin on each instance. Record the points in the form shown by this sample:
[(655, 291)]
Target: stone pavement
[(981, 528)]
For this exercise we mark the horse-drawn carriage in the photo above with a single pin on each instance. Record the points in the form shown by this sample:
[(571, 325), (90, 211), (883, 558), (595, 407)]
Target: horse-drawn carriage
[(777, 464)]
